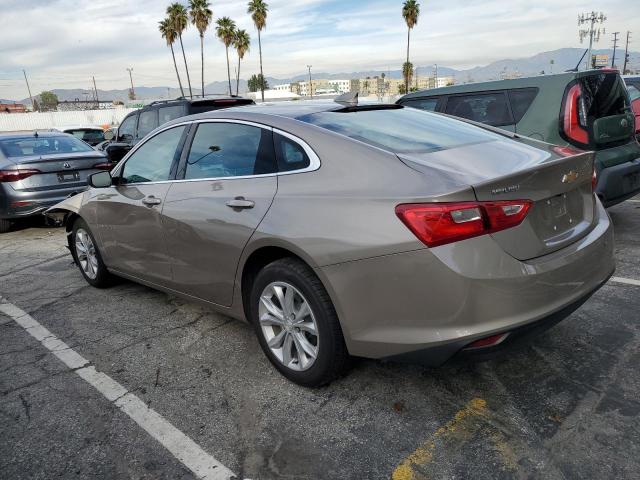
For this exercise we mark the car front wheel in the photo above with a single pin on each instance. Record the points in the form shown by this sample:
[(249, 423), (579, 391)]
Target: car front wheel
[(87, 256), (296, 323)]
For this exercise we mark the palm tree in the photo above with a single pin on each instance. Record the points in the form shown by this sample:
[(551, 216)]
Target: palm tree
[(169, 34), (258, 10), (180, 20), (241, 42), (200, 15), (410, 13), (226, 32)]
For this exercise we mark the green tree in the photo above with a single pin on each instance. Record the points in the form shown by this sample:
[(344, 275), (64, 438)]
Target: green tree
[(257, 82), (226, 32), (200, 15), (169, 34), (48, 101), (258, 10), (410, 13), (179, 19), (407, 73), (241, 42)]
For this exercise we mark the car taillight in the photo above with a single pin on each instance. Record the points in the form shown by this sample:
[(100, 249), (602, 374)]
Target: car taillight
[(575, 116), (440, 223), (16, 175), (104, 166)]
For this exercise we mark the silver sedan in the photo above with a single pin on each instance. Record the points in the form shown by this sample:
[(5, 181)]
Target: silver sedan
[(336, 231)]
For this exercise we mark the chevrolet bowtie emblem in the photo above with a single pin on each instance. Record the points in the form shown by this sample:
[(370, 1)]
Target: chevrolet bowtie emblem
[(570, 177)]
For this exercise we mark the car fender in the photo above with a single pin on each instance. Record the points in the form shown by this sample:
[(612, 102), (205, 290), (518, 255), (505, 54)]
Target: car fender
[(67, 208)]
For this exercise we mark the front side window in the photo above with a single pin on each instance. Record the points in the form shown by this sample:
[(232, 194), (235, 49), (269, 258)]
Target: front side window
[(428, 104), (223, 150), (127, 129), (489, 108), (148, 121), (152, 161)]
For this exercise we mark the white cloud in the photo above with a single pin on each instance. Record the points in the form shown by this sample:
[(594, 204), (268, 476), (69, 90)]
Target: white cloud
[(62, 43)]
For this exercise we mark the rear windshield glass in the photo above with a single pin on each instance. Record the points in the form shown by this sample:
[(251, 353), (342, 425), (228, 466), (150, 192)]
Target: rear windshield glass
[(86, 134), (209, 105), (604, 95), (22, 147), (405, 130)]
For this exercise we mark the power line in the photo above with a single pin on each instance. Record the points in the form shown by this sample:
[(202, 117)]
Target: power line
[(615, 45), (626, 53)]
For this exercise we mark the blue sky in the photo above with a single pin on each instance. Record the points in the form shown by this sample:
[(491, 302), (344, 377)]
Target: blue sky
[(61, 43)]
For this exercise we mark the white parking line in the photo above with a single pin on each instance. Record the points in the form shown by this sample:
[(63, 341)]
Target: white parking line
[(628, 281), (188, 452)]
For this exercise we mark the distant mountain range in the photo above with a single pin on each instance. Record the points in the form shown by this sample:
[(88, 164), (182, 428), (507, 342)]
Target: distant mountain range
[(564, 59)]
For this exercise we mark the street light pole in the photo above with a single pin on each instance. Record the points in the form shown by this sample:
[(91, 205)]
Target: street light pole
[(133, 92), (33, 105), (310, 84)]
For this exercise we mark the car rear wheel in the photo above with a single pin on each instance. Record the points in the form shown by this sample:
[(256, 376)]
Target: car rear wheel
[(5, 225), (296, 324), (87, 256)]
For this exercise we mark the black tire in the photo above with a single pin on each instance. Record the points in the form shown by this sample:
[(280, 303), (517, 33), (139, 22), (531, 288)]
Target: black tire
[(103, 278), (332, 358), (5, 225)]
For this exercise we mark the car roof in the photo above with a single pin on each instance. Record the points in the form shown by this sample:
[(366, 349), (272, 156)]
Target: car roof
[(524, 82)]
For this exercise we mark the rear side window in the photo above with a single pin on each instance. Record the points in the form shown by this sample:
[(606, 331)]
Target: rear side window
[(428, 104), (222, 150), (290, 155), (521, 99), (489, 108), (401, 130), (148, 121), (166, 114)]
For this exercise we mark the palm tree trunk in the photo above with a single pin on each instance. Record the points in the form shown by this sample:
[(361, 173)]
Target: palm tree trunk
[(177, 73), (185, 66), (228, 69), (406, 77), (238, 77), (261, 74), (202, 61)]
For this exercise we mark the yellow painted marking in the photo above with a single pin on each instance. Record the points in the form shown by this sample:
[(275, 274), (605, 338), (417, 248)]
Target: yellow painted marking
[(424, 454)]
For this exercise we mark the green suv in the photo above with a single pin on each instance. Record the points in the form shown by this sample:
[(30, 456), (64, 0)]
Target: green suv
[(588, 110)]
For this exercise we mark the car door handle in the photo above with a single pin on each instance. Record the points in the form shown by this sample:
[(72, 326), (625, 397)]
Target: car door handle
[(150, 201), (240, 202)]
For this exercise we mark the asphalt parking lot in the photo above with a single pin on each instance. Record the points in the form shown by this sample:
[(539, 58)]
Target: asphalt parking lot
[(566, 406)]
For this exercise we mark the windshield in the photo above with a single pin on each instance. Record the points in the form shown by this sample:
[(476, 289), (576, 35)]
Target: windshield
[(402, 130), (87, 134), (27, 146)]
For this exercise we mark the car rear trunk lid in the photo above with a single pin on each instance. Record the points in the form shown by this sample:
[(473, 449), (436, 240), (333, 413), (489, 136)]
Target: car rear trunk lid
[(559, 187), (57, 170)]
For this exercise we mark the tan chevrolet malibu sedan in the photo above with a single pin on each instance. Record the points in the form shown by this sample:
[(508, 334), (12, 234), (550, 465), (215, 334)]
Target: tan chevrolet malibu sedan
[(341, 230)]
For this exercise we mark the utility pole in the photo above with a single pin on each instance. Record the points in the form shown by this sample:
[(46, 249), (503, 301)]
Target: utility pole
[(33, 105), (591, 19), (95, 90), (626, 54), (310, 84), (132, 96), (615, 45)]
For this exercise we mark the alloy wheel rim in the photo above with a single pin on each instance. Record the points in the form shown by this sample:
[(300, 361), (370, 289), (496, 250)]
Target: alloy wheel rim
[(289, 326), (86, 254)]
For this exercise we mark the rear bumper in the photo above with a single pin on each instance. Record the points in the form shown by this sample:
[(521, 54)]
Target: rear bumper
[(428, 304), (619, 182), (38, 202)]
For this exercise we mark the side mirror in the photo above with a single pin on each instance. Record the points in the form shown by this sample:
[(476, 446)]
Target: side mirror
[(100, 180), (109, 135)]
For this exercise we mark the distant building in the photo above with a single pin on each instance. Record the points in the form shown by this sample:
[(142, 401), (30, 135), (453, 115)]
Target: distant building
[(12, 108), (340, 86)]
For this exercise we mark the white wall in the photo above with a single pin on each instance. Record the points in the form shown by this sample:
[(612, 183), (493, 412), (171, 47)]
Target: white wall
[(11, 122)]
